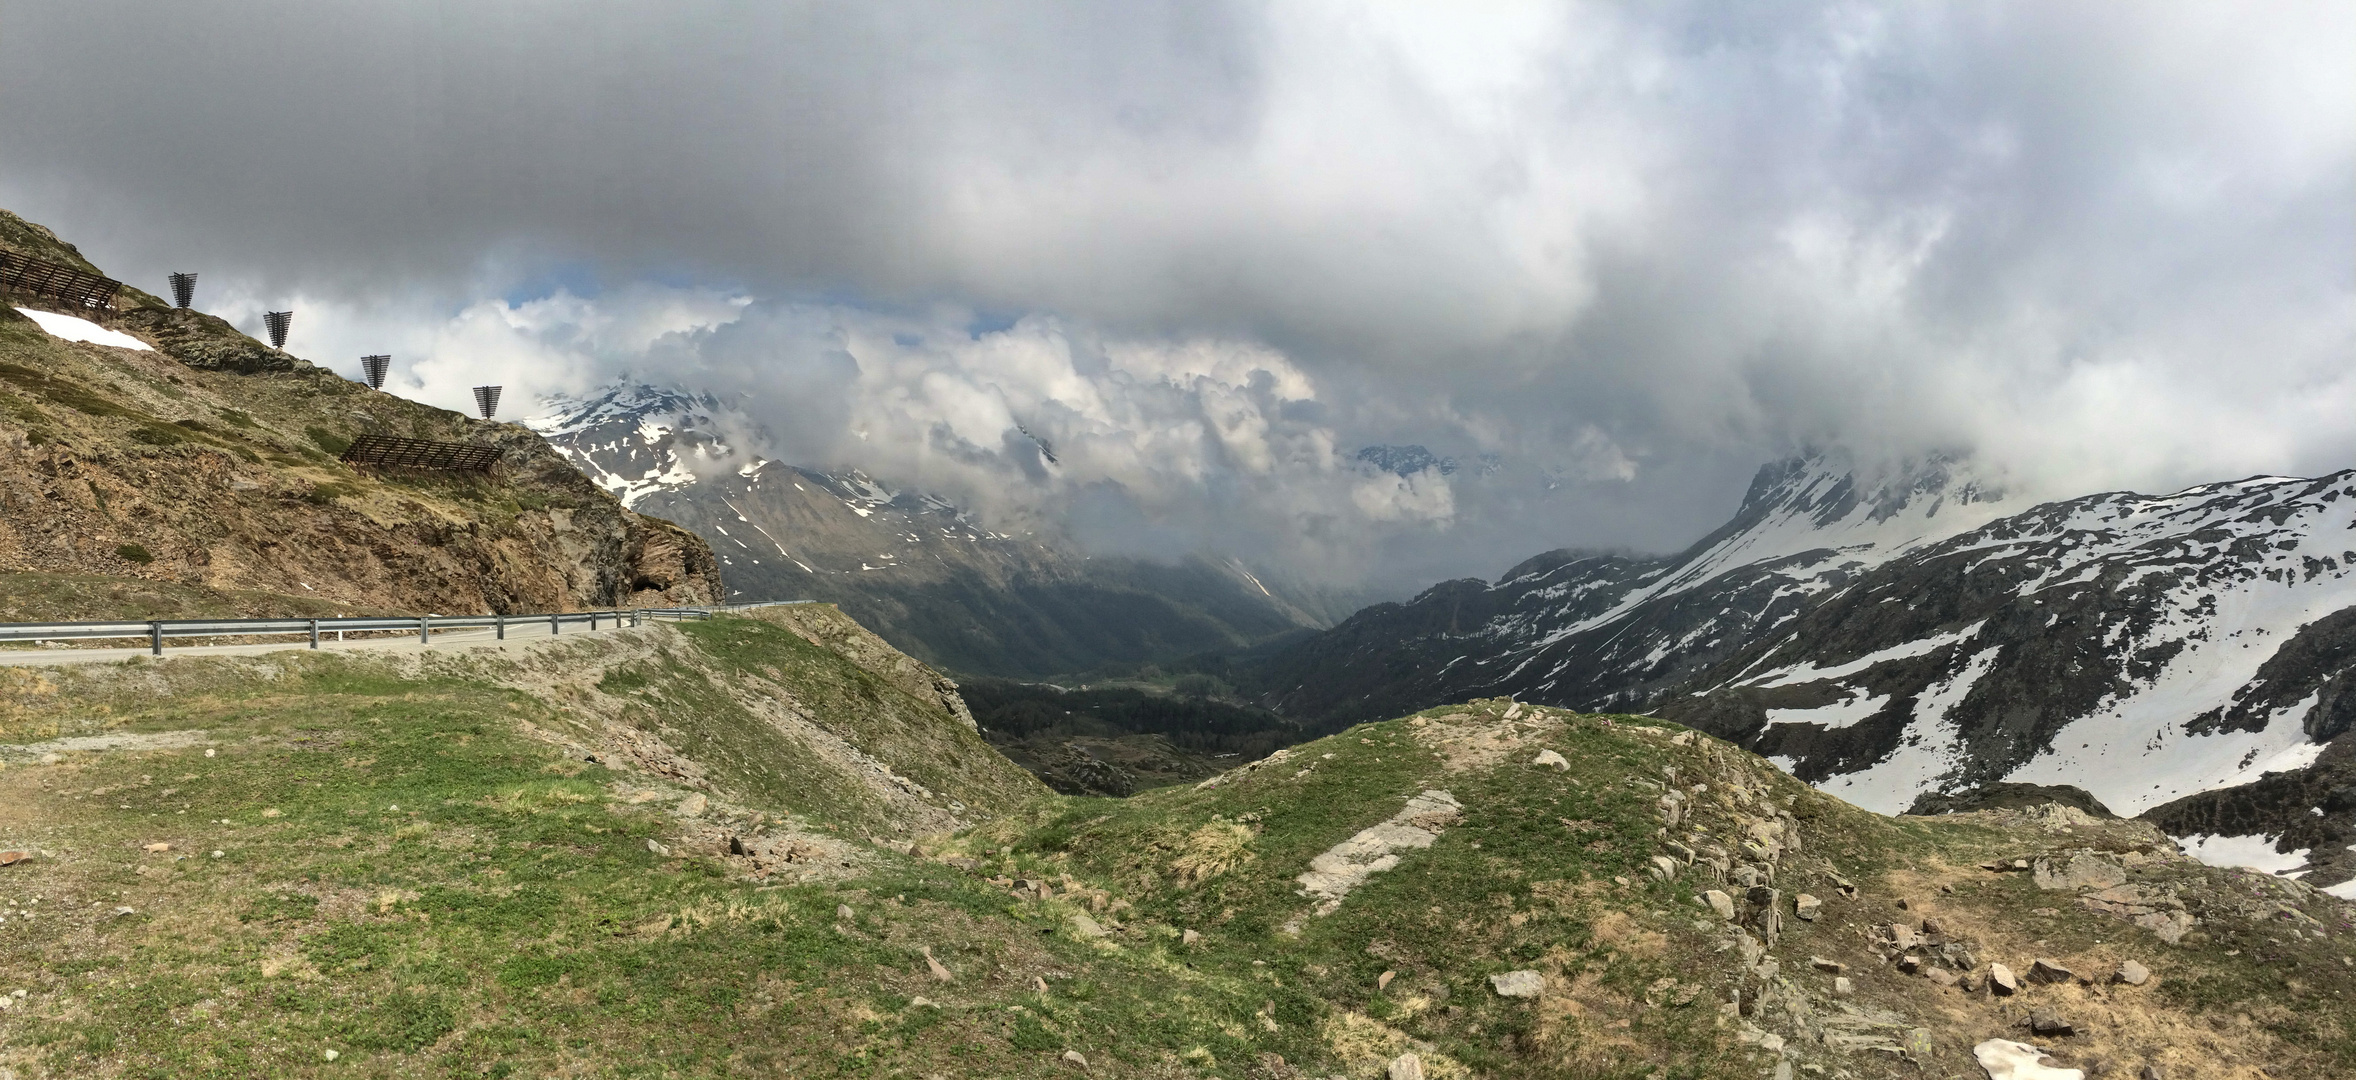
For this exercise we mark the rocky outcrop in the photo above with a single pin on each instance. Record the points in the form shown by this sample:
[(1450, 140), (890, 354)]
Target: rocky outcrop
[(208, 467)]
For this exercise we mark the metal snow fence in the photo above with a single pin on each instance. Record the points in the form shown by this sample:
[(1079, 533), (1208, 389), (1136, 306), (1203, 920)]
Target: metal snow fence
[(74, 288), (183, 290), (155, 631), (395, 452), (486, 399), (278, 322), (374, 368)]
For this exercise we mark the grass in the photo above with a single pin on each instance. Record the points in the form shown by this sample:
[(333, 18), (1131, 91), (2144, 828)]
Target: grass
[(416, 874)]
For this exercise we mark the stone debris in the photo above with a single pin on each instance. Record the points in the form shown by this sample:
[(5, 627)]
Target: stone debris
[(843, 912), (1085, 927), (1664, 868), (1806, 907), (1842, 987), (156, 847), (2001, 981), (1189, 937), (1832, 966), (2049, 1023), (1075, 1057), (2131, 973), (1518, 984), (694, 805), (2005, 1059), (656, 846), (2046, 971), (1347, 865), (939, 972), (1545, 757), (1406, 1066), (1383, 981), (1942, 976), (1720, 903), (11, 858)]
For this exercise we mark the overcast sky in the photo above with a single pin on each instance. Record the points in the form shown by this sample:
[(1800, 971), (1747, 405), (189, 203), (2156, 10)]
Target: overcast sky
[(1206, 252)]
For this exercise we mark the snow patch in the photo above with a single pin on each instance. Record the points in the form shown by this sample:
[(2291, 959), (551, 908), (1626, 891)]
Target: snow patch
[(73, 329), (1841, 714), (2242, 852)]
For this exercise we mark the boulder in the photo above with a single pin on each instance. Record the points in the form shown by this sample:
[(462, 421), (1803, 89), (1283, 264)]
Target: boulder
[(1545, 757), (1518, 984), (2049, 1023), (2001, 980), (2004, 1059), (694, 805), (2131, 973), (1075, 1057), (1842, 987), (1720, 903), (1806, 907), (1408, 1066), (1822, 964), (2046, 971)]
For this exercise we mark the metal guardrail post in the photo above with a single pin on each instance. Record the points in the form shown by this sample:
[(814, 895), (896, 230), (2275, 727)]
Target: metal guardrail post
[(314, 633), (155, 637), (553, 629), (502, 627), (424, 628)]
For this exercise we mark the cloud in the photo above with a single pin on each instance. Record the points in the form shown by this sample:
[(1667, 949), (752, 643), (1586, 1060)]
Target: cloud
[(1198, 247)]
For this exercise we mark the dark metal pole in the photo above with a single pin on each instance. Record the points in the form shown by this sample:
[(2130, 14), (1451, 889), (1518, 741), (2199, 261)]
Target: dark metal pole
[(314, 633), (502, 627), (155, 637), (552, 627), (423, 627)]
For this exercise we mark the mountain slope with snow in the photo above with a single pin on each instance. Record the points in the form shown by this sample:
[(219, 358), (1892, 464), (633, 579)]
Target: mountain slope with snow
[(913, 567), (2172, 654)]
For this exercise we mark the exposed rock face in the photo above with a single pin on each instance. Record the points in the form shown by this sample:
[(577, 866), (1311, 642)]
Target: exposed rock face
[(209, 465)]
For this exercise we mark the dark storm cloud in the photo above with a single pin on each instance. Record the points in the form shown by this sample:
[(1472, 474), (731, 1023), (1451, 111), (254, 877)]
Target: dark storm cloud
[(1209, 250)]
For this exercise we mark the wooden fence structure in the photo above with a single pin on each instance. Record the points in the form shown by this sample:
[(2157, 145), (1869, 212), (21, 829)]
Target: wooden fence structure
[(395, 452), (74, 288)]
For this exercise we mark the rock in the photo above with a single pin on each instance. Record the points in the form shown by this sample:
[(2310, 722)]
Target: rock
[(1806, 907), (1518, 984), (2001, 981), (330, 1055), (656, 847), (843, 912), (1910, 963), (121, 911), (1189, 937), (2152, 1072), (11, 858), (2131, 973), (220, 854), (1075, 1057), (1720, 903), (2085, 870), (736, 845), (1086, 927), (694, 805), (1664, 868), (2005, 1059), (2046, 971), (51, 759), (2049, 1023), (1904, 937), (208, 751), (1407, 1066), (1942, 976), (1932, 929), (922, 1002), (939, 972), (1821, 964), (1383, 981), (1842, 987), (1545, 757), (1039, 983), (156, 847)]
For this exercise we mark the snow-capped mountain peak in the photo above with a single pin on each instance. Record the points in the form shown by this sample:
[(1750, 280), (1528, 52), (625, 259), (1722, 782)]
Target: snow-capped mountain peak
[(635, 440)]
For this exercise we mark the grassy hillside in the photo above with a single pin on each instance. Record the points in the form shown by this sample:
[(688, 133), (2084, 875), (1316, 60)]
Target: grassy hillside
[(422, 872), (201, 476)]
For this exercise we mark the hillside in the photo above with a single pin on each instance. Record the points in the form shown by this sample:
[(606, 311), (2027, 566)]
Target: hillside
[(914, 567), (199, 475), (685, 850)]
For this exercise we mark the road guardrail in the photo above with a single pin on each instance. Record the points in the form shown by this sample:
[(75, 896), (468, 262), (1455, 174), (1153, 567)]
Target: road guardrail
[(156, 630)]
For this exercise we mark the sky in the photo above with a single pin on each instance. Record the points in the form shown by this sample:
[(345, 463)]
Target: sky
[(1149, 275)]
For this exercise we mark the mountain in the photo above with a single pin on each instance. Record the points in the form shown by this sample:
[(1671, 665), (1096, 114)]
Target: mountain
[(154, 462), (914, 567), (2187, 657)]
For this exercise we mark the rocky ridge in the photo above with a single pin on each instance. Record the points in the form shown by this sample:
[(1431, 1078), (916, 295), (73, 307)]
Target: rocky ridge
[(199, 475)]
